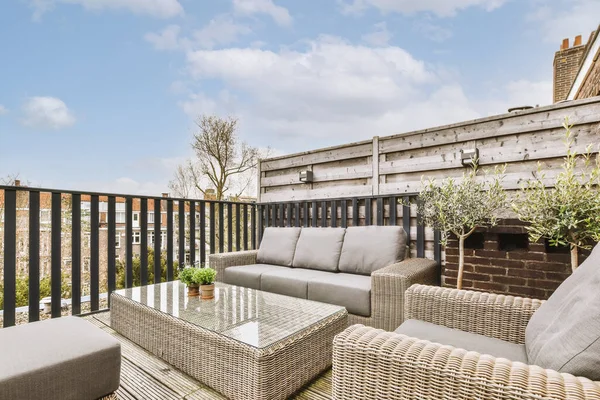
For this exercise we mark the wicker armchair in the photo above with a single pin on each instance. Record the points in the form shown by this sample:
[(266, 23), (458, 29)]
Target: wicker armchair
[(388, 285), (374, 364)]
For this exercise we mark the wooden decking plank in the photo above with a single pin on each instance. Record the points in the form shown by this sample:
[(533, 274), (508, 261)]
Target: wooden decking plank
[(205, 393), (142, 385)]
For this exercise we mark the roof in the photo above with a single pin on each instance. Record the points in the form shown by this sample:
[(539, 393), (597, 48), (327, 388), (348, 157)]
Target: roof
[(590, 56)]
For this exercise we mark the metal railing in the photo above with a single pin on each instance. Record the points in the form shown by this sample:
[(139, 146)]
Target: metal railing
[(192, 229)]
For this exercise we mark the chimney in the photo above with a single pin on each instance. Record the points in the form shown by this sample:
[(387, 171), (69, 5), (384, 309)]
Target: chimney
[(17, 182), (209, 194), (566, 65), (165, 195)]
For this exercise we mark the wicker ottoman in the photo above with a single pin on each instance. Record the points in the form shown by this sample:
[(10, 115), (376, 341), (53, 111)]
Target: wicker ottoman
[(244, 343), (59, 359)]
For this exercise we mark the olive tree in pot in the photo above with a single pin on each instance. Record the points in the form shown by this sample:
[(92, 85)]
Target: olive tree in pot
[(460, 206), (567, 214)]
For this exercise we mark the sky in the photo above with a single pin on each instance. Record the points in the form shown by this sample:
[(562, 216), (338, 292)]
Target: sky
[(102, 94)]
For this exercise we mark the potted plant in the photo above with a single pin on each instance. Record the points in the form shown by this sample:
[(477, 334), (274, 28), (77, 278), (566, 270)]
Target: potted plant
[(205, 277), (567, 214), (460, 206), (187, 276)]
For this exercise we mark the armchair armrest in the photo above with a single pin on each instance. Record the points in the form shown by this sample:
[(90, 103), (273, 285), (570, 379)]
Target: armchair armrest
[(219, 262), (373, 364), (388, 285), (493, 315)]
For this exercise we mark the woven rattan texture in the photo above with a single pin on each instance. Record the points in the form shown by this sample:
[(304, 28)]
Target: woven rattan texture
[(371, 364)]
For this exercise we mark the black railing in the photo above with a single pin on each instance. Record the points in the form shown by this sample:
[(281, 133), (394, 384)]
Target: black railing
[(84, 216), (216, 226), (344, 212)]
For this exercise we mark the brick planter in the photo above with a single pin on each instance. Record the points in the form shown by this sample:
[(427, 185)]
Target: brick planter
[(501, 260)]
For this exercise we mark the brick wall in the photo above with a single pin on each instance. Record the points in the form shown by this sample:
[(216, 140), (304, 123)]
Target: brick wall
[(566, 65), (501, 260), (591, 85)]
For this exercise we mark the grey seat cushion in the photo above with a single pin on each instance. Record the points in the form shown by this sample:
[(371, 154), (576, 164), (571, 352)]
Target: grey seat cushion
[(464, 340), (347, 290), (319, 248), (278, 246), (290, 281), (564, 333), (247, 275), (66, 358), (369, 248)]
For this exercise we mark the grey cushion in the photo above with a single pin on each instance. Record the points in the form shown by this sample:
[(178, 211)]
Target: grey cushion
[(290, 281), (277, 246), (247, 275), (369, 248), (319, 248), (463, 340), (347, 290), (66, 358), (564, 333)]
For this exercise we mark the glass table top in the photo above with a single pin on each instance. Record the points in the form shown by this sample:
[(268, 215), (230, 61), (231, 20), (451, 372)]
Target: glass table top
[(258, 319)]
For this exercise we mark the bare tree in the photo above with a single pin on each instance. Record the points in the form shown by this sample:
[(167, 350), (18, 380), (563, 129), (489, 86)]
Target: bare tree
[(223, 162)]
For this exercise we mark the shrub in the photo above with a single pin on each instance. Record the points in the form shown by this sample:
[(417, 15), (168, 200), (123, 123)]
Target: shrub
[(460, 207), (569, 213), (137, 267), (187, 275), (205, 276), (22, 289)]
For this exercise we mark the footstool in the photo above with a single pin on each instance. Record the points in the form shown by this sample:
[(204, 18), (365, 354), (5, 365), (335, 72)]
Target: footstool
[(59, 359)]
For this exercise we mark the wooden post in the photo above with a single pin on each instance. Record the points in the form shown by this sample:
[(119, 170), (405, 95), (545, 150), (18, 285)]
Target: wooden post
[(375, 177)]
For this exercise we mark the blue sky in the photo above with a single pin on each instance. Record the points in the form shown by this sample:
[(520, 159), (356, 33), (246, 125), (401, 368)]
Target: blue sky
[(102, 94)]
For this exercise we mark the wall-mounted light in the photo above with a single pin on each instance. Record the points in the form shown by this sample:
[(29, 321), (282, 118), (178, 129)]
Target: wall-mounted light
[(306, 176), (468, 157)]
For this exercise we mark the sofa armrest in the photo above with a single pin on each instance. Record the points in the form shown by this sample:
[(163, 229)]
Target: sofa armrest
[(221, 261), (373, 364), (493, 315), (388, 285)]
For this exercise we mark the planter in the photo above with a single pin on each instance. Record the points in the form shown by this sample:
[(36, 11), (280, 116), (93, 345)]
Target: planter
[(193, 290), (207, 291)]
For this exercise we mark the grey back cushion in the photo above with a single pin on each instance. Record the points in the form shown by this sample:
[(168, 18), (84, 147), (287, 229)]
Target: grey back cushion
[(278, 246), (369, 248), (564, 333), (319, 248)]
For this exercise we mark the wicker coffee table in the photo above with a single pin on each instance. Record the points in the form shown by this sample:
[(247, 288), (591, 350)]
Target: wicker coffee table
[(244, 343)]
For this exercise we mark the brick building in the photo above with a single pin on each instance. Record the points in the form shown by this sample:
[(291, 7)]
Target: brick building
[(577, 69)]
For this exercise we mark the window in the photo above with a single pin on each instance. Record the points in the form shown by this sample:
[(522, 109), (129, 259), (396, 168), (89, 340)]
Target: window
[(103, 206), (150, 217), (163, 240), (151, 238), (120, 217), (187, 257), (136, 239), (45, 217), (118, 240), (136, 220)]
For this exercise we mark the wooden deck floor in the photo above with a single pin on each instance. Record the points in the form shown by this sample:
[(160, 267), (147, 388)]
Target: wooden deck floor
[(147, 377)]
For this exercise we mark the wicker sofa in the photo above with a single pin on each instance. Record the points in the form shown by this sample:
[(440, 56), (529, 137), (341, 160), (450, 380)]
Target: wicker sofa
[(361, 268), (465, 344)]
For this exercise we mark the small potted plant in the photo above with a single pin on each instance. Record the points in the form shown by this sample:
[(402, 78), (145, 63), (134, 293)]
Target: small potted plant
[(187, 276), (205, 277)]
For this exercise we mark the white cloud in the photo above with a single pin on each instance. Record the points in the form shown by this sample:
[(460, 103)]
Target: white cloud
[(329, 93), (3, 110), (565, 19), (221, 30), (516, 94), (442, 8), (167, 39), (47, 113), (379, 37), (432, 31), (250, 7), (155, 8)]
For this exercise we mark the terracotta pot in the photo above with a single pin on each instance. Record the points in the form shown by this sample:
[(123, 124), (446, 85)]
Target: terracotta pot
[(207, 291), (193, 290)]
